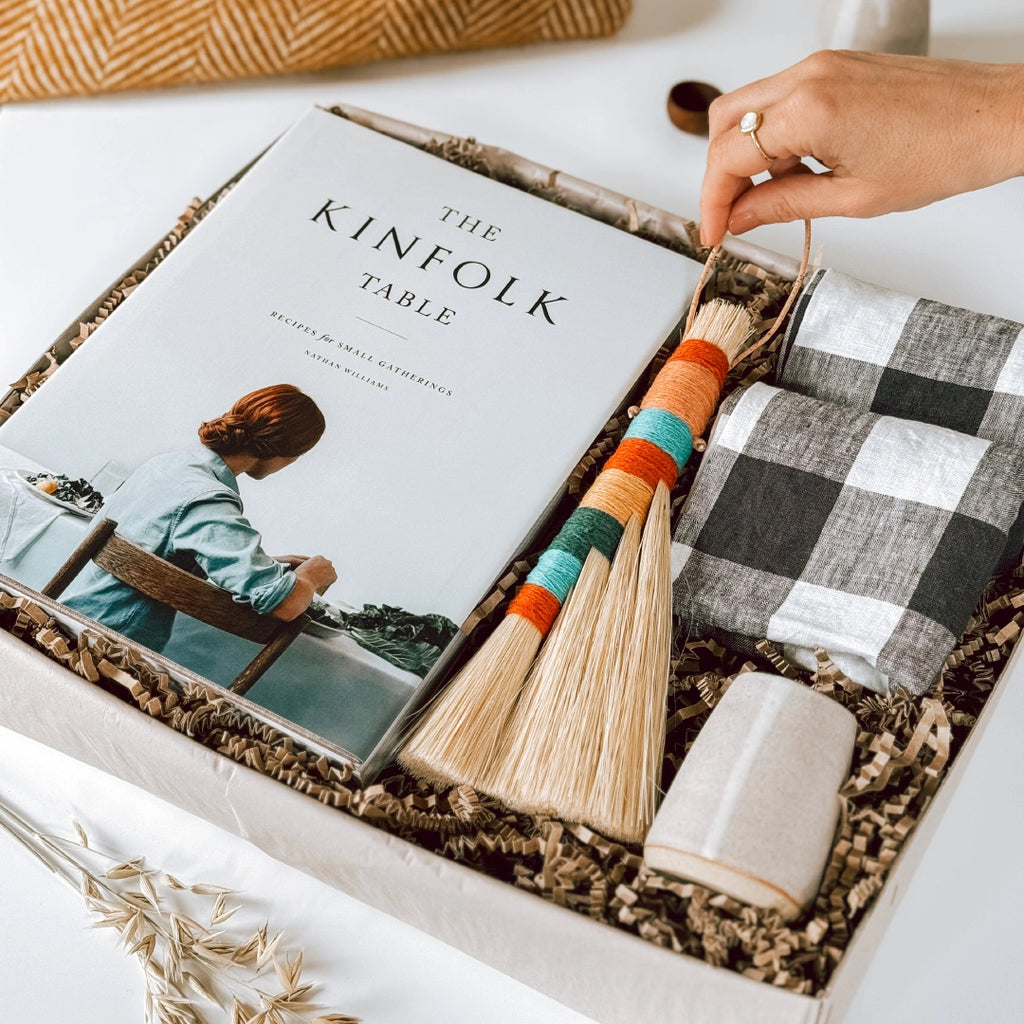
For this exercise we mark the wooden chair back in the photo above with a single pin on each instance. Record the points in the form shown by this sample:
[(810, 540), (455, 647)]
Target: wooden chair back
[(171, 585)]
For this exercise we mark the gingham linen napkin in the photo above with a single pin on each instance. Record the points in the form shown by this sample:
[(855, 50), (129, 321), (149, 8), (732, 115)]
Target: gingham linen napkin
[(818, 526), (885, 352)]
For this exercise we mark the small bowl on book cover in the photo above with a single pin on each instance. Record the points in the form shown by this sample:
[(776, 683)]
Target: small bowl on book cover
[(753, 809)]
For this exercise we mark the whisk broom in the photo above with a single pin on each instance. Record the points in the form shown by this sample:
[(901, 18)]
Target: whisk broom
[(458, 739)]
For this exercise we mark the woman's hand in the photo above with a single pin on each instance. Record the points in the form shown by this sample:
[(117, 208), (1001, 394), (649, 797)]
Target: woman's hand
[(312, 576), (318, 572), (893, 132)]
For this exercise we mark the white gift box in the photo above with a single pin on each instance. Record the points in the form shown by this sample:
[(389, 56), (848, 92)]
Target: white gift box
[(616, 977)]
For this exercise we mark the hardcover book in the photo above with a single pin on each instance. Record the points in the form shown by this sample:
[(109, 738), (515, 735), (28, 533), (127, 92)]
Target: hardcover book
[(464, 343)]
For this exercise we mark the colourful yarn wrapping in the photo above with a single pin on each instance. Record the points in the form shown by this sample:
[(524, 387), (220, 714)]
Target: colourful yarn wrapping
[(656, 446)]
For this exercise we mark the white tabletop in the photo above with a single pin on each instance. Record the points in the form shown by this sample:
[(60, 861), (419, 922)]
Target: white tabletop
[(87, 185)]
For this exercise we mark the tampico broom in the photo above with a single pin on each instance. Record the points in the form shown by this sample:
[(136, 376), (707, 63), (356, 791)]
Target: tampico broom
[(605, 668), (459, 739)]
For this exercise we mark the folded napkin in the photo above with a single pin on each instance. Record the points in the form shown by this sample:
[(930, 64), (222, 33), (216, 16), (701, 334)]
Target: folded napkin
[(818, 526), (881, 351), (23, 517), (64, 47)]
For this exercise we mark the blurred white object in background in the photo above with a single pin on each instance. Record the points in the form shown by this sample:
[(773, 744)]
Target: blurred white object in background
[(883, 26)]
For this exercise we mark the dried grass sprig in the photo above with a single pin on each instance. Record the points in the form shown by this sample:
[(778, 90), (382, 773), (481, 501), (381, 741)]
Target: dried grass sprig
[(181, 958)]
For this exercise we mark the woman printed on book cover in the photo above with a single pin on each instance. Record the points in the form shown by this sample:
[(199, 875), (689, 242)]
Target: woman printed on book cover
[(185, 507)]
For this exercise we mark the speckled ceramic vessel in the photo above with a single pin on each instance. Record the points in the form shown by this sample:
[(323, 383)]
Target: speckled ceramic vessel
[(884, 26), (754, 806)]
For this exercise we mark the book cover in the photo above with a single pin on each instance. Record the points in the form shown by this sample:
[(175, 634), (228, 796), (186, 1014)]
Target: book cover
[(464, 342)]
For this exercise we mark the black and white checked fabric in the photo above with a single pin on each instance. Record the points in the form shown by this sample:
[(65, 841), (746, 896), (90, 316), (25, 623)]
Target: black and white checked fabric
[(816, 525), (885, 352)]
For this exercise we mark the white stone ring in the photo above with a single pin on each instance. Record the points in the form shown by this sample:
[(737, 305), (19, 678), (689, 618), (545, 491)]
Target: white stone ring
[(749, 123)]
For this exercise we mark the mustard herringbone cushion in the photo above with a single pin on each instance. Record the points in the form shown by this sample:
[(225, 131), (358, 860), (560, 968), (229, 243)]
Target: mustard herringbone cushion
[(71, 47)]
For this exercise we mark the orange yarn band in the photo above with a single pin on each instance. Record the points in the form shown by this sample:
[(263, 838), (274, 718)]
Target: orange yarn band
[(620, 495), (535, 604), (644, 459), (688, 390), (704, 353)]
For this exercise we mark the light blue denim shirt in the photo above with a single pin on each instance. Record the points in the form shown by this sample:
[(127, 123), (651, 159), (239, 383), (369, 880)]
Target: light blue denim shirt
[(185, 507)]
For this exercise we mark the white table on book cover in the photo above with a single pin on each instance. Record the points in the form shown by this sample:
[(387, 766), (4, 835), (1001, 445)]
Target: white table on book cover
[(87, 185)]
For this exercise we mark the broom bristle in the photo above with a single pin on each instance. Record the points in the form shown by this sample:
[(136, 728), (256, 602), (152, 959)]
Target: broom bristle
[(574, 776), (629, 771), (724, 324), (533, 748), (458, 737)]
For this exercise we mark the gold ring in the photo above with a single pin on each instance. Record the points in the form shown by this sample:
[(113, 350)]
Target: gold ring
[(749, 123)]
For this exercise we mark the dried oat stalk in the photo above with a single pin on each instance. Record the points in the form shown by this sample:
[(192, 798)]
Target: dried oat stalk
[(189, 966)]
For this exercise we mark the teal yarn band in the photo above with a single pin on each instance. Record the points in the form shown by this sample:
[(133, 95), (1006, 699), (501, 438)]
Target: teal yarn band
[(664, 429), (588, 528), (556, 571)]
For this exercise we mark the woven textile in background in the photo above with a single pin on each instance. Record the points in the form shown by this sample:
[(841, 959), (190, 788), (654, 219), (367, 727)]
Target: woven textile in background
[(77, 47)]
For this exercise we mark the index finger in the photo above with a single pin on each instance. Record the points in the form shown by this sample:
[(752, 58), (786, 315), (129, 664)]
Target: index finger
[(733, 160), (719, 191), (734, 157)]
